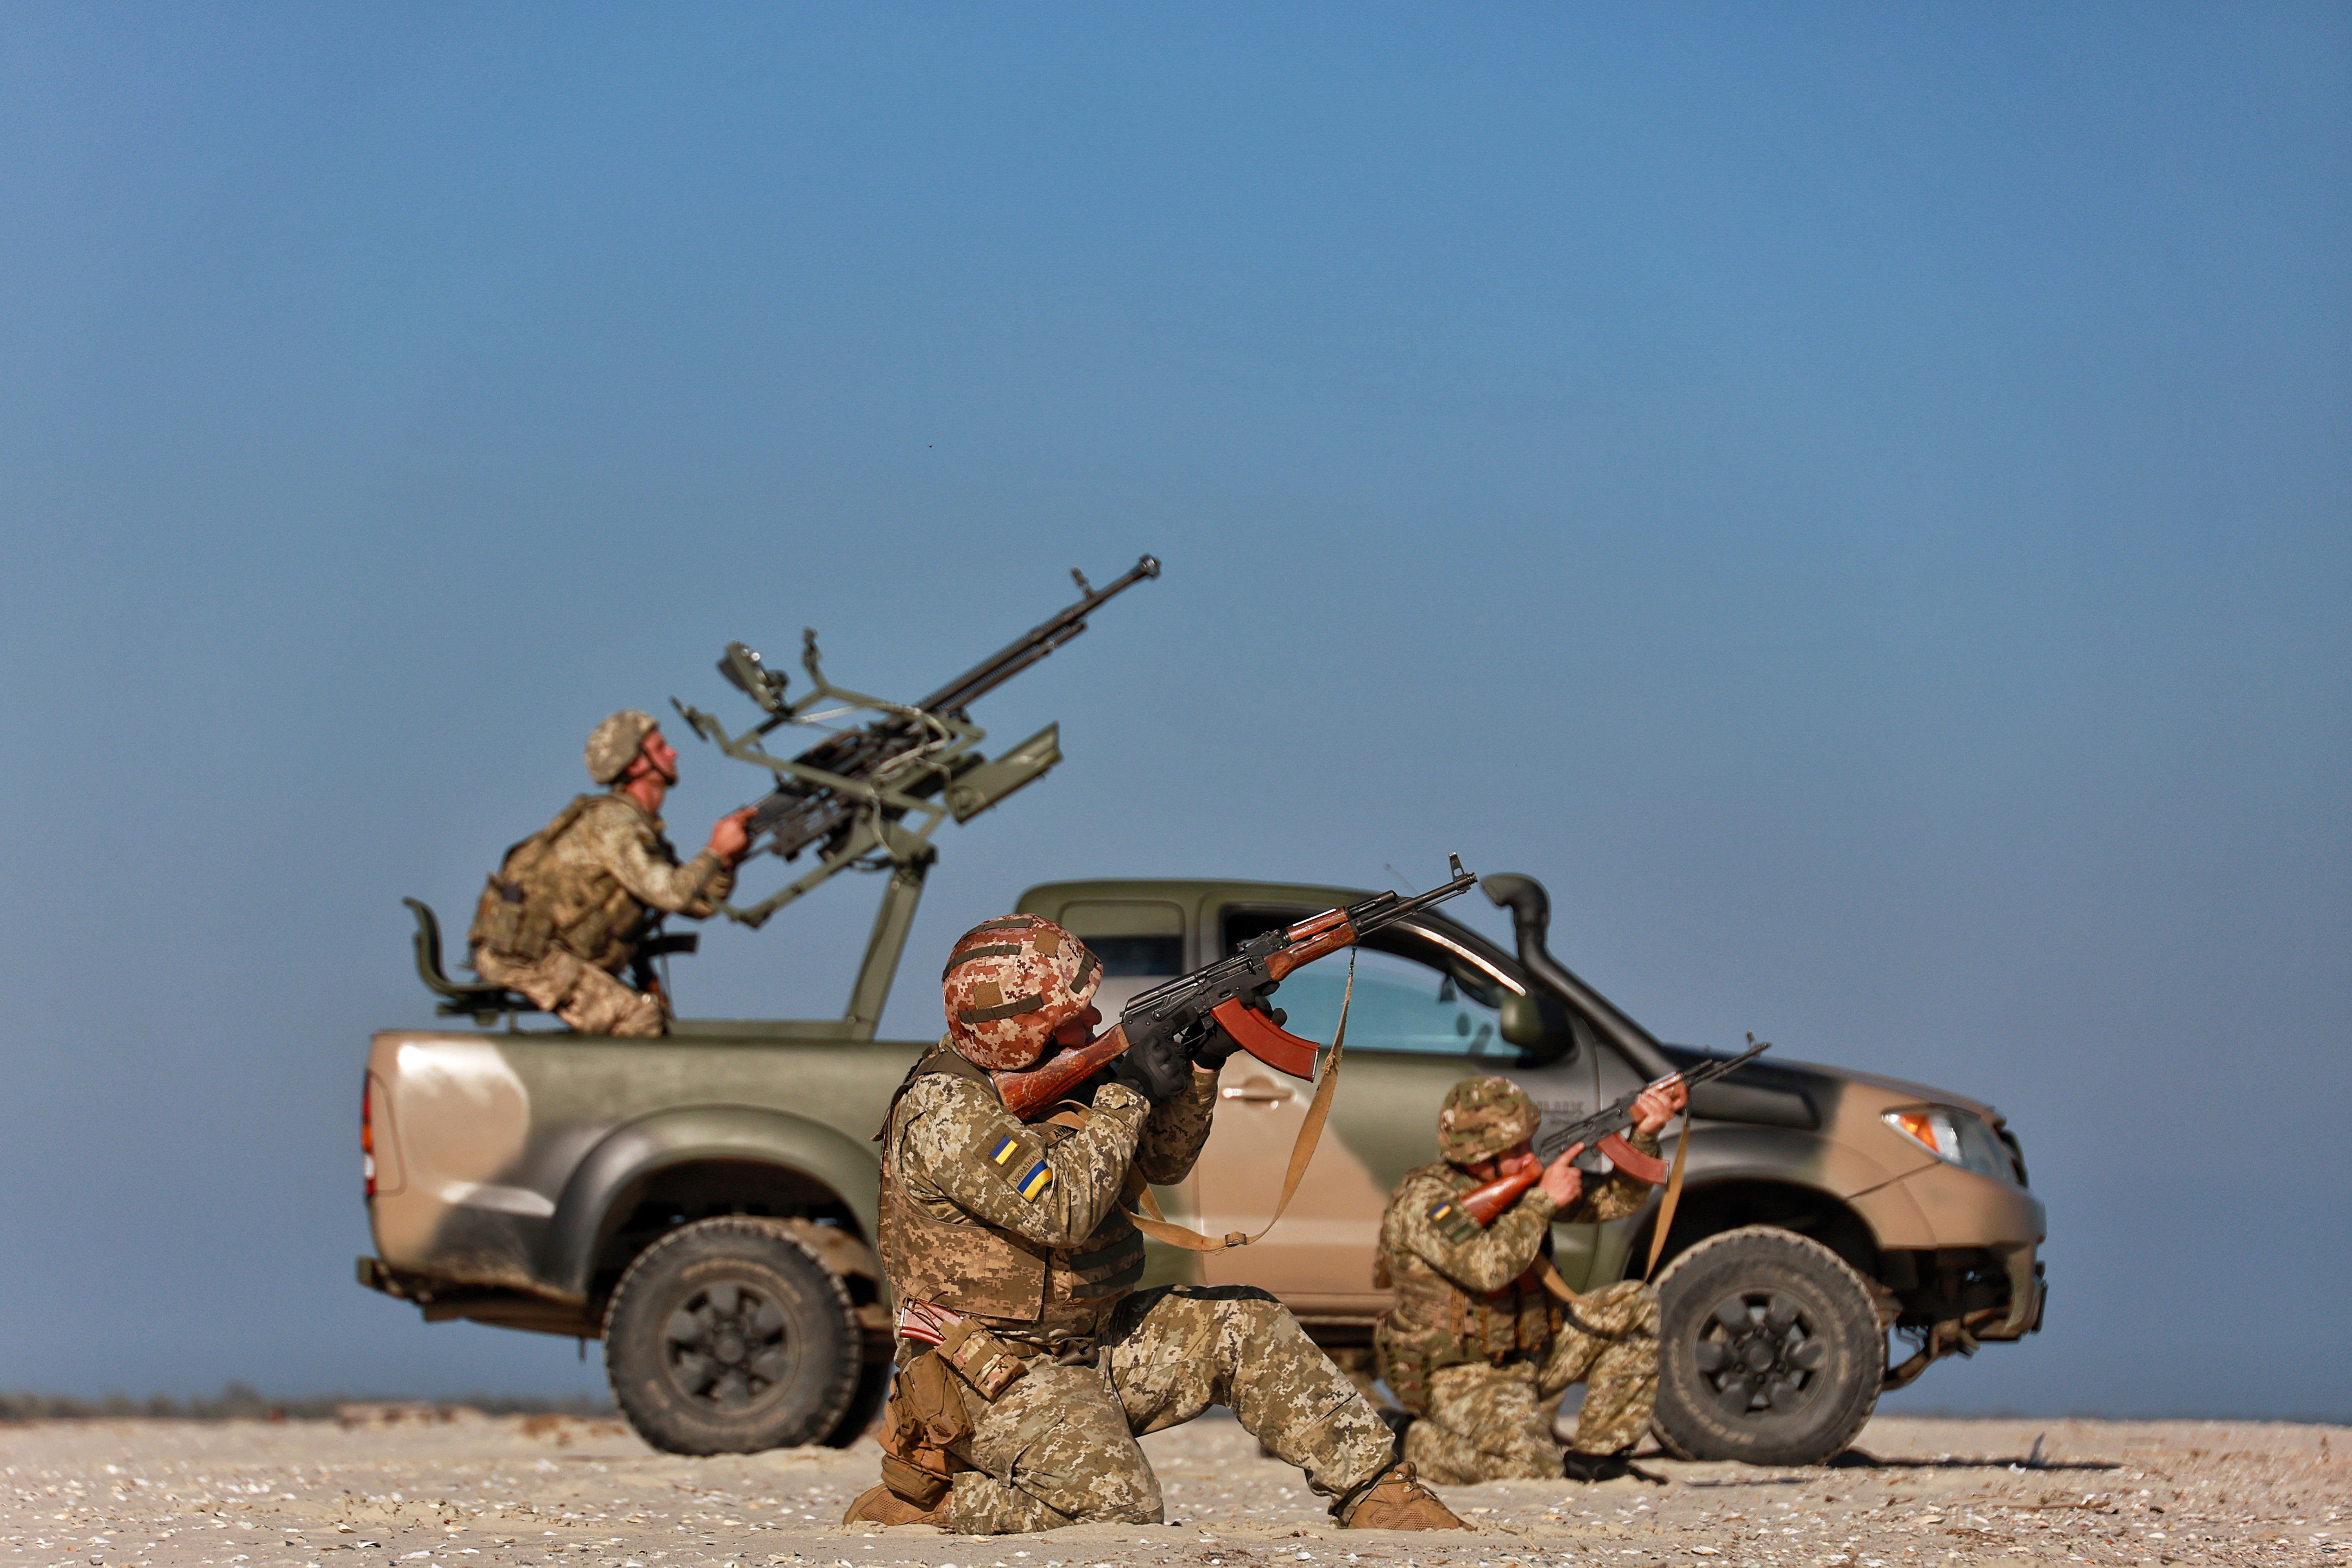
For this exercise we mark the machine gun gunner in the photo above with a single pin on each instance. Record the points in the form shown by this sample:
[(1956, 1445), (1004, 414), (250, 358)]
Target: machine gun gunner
[(574, 904)]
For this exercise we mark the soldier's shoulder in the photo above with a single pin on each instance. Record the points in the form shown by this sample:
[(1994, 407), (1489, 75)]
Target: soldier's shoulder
[(1424, 1184), (1439, 1175), (950, 1095), (613, 807)]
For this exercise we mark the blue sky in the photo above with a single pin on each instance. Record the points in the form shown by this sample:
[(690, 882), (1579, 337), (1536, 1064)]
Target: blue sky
[(1856, 499)]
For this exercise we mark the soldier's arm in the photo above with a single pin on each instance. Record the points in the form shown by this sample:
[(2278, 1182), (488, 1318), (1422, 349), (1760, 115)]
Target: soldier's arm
[(1432, 1226), (1173, 1136), (1615, 1195), (956, 1141), (627, 845)]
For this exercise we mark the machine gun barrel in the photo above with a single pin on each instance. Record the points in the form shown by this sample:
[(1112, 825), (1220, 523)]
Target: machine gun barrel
[(1033, 645)]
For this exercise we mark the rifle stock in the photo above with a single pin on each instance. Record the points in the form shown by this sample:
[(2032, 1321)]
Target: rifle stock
[(1027, 1090), (1488, 1203)]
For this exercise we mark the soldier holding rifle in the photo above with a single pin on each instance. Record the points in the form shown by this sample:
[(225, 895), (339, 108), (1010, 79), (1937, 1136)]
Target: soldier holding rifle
[(1028, 1363), (1480, 1342)]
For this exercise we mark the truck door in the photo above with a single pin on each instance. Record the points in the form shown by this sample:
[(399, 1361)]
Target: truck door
[(1424, 1017)]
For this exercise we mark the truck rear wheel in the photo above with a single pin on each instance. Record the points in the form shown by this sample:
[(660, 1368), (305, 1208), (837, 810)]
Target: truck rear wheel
[(1769, 1351), (728, 1336)]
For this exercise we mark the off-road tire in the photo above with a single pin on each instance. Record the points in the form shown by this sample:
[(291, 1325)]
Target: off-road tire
[(728, 1336), (1785, 1319)]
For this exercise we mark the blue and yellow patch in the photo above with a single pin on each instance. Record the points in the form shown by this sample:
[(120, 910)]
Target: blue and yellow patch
[(1452, 1221), (1016, 1159)]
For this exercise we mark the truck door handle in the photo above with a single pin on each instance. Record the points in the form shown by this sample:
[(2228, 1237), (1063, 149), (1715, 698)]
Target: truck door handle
[(1256, 1092)]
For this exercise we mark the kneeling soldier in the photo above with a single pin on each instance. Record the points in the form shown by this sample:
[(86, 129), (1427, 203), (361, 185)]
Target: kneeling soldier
[(1028, 1363), (1475, 1347)]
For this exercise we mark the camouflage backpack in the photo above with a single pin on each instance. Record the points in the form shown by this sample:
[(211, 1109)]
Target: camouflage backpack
[(517, 916)]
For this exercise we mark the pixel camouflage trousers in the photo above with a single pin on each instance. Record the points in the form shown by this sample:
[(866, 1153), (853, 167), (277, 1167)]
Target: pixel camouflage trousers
[(585, 997), (1059, 1447), (1488, 1423)]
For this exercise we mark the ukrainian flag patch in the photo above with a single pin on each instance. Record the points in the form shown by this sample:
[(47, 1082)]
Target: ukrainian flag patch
[(1452, 1221), (1003, 1153), (1040, 1177)]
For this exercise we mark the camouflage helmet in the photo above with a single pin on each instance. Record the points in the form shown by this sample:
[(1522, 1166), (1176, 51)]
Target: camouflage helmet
[(1010, 983), (1484, 1116), (613, 744)]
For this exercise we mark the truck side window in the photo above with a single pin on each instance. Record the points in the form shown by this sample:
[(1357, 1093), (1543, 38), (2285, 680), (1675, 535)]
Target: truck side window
[(1161, 956)]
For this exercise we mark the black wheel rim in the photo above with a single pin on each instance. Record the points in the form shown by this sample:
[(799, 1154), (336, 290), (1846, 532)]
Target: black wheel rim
[(724, 1348), (1759, 1354)]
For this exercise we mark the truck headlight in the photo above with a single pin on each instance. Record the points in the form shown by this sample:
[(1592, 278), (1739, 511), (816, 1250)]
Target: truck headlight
[(1954, 1137)]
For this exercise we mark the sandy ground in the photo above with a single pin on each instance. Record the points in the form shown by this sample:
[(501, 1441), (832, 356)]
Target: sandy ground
[(473, 1493)]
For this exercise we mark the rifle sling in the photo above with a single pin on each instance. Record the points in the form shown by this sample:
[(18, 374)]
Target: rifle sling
[(1153, 1223), (1565, 1293), (1674, 1196)]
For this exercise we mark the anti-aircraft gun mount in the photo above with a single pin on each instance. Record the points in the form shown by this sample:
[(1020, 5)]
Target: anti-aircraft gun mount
[(868, 797)]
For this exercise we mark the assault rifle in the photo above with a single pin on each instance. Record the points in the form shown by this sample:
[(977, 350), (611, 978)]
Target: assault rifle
[(1603, 1133), (851, 795), (1231, 995)]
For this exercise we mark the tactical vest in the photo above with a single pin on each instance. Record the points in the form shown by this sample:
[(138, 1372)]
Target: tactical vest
[(1434, 1323), (973, 1267), (535, 901)]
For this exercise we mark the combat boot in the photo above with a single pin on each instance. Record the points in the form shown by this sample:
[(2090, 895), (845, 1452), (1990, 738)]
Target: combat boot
[(880, 1505), (1396, 1501), (1578, 1465)]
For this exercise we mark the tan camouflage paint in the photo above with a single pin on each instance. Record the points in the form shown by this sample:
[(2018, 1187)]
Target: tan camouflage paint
[(1009, 983), (1059, 1447), (583, 997), (1486, 1422)]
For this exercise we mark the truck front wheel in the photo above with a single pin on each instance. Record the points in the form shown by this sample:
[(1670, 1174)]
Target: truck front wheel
[(1769, 1351), (728, 1336)]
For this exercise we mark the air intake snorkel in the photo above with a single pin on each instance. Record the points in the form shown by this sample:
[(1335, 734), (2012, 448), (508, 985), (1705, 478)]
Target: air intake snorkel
[(1722, 1100), (1530, 909)]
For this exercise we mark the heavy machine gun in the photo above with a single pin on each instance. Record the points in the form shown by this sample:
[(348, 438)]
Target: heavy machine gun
[(869, 795), (866, 798), (918, 748)]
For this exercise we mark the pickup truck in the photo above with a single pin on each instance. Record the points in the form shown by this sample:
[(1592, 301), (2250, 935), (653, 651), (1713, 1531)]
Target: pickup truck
[(704, 1204)]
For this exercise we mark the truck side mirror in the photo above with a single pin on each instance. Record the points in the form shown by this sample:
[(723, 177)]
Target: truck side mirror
[(1538, 1026)]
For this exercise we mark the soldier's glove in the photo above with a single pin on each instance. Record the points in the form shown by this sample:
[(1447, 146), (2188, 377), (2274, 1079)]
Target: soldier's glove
[(1154, 1066), (1215, 1046)]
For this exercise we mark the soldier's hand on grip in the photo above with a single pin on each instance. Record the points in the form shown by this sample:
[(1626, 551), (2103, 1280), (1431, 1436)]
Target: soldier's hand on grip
[(1562, 1182), (1154, 1066), (1216, 1046)]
